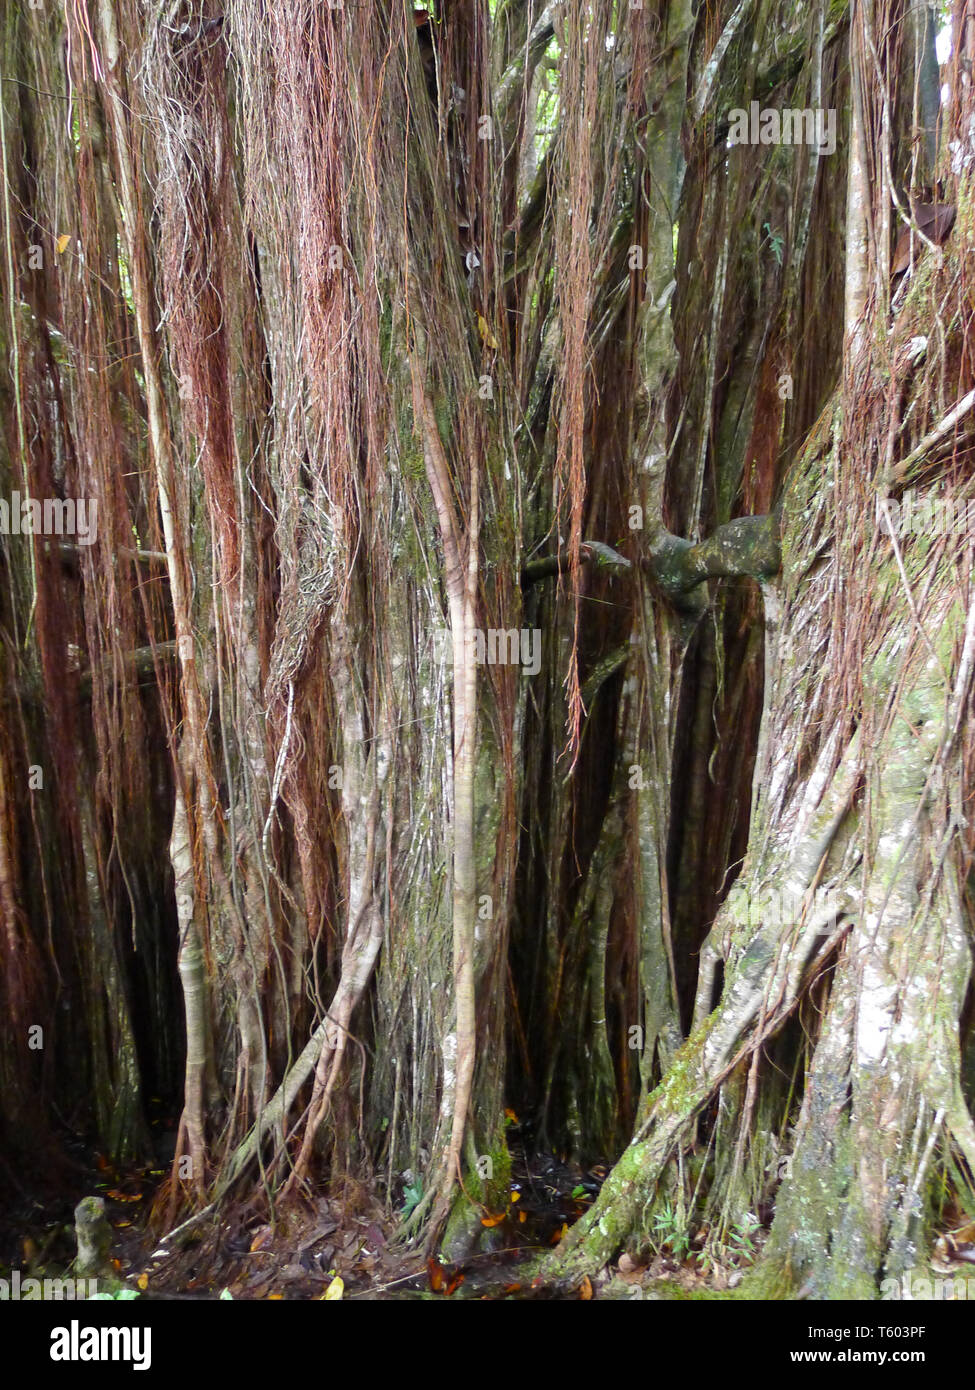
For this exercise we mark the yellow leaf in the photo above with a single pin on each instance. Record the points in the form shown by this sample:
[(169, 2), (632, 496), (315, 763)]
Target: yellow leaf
[(484, 328), (62, 242), (515, 1196), (334, 1291), (143, 1281), (274, 1298)]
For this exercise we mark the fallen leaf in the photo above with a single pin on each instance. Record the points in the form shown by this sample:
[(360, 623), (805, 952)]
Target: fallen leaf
[(62, 242), (585, 1289), (143, 1282), (261, 1239), (324, 1228), (492, 1220), (334, 1291), (276, 1297)]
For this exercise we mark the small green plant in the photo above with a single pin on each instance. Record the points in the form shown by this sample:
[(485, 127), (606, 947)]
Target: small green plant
[(741, 1242), (738, 1248), (116, 1296), (775, 241), (412, 1193), (705, 1257), (671, 1232)]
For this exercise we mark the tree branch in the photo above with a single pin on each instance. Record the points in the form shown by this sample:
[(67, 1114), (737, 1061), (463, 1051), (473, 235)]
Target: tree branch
[(139, 663), (592, 552), (748, 546)]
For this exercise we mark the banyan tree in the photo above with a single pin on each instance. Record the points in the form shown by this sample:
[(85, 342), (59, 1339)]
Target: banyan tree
[(522, 656)]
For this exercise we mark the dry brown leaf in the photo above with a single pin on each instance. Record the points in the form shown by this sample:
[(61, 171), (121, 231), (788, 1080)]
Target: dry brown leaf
[(261, 1238)]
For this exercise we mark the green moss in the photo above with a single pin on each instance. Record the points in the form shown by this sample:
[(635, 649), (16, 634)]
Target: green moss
[(463, 1231), (768, 1281), (672, 1292), (493, 1192)]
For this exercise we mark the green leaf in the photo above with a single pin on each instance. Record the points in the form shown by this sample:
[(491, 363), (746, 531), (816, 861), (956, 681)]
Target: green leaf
[(411, 1195)]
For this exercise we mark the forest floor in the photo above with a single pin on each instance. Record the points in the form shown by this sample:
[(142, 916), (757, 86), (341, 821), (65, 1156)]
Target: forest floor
[(339, 1243)]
